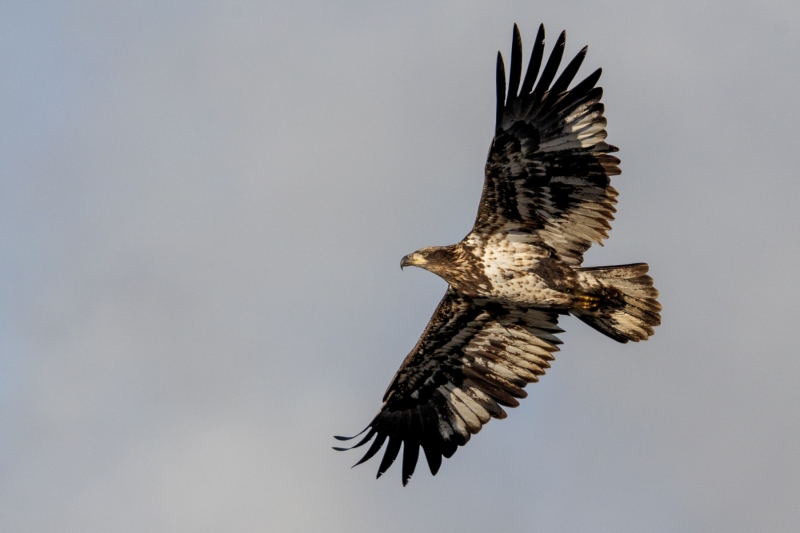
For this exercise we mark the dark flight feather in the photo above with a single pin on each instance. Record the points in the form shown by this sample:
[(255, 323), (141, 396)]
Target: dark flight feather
[(550, 68), (569, 72), (410, 456), (363, 441), (501, 89), (515, 69), (376, 445), (535, 62), (392, 449)]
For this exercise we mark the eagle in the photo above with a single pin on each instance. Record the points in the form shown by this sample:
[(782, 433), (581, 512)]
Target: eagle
[(546, 197)]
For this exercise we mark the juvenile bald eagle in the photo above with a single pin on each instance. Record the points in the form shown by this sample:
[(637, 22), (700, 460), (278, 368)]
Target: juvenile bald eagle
[(546, 197)]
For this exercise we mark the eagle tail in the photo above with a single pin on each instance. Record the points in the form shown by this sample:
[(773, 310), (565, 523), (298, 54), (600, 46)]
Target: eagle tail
[(620, 302)]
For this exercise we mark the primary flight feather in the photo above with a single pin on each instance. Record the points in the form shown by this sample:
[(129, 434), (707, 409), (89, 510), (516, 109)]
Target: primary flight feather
[(546, 197)]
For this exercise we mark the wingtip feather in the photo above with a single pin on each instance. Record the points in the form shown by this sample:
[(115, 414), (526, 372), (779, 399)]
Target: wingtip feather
[(515, 68), (339, 437), (501, 90)]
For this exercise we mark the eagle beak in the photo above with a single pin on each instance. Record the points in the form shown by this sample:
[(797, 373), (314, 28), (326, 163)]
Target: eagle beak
[(411, 260)]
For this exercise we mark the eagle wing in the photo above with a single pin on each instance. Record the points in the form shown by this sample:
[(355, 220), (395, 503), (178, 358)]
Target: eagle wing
[(472, 358), (548, 170)]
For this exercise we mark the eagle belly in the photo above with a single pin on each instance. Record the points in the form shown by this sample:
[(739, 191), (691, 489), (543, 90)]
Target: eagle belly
[(527, 274)]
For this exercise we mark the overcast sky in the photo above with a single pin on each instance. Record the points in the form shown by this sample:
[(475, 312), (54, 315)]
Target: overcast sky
[(203, 206)]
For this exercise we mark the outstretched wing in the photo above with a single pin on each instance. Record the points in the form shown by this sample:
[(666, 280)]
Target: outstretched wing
[(547, 175), (471, 359)]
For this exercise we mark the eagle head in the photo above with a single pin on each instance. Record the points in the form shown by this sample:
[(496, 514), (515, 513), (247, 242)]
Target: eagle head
[(454, 264), (436, 259)]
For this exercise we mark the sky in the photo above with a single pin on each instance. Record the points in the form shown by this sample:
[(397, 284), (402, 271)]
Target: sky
[(203, 206)]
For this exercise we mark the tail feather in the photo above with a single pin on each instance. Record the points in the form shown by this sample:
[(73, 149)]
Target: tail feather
[(626, 308)]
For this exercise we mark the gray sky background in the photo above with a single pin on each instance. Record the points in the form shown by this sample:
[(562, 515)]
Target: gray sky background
[(202, 210)]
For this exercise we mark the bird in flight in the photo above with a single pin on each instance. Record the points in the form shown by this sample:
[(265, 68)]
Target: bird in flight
[(546, 197)]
